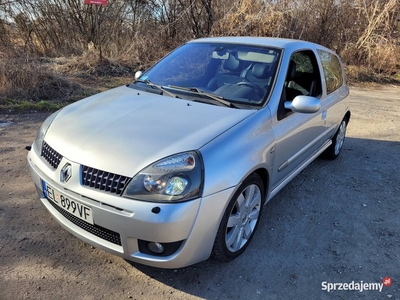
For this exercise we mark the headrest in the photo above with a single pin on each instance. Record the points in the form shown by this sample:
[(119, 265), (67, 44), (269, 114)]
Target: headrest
[(292, 70), (261, 71), (232, 64)]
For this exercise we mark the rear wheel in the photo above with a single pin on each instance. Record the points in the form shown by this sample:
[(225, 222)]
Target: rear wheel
[(240, 220), (333, 150)]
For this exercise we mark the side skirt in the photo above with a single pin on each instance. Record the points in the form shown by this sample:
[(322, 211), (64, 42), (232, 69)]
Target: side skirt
[(285, 181)]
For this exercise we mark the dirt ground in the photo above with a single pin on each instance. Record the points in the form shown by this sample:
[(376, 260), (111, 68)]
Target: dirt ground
[(337, 222)]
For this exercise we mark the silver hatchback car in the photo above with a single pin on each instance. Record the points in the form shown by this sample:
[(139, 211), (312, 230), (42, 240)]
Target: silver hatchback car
[(178, 165)]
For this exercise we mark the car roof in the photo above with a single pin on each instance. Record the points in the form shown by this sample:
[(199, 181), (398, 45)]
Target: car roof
[(262, 41)]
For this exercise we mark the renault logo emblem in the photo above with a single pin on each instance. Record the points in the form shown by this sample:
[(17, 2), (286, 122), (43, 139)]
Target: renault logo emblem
[(66, 173)]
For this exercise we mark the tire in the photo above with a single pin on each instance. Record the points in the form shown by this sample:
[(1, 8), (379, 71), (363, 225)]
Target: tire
[(333, 151), (240, 220)]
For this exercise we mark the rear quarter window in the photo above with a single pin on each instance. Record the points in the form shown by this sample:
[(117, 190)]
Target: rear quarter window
[(332, 71)]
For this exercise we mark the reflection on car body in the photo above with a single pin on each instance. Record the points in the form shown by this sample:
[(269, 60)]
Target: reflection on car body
[(177, 165)]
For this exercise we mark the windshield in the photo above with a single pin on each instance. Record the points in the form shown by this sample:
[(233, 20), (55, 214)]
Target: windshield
[(233, 72)]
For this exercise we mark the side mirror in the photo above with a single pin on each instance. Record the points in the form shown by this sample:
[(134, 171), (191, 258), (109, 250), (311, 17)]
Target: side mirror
[(138, 74), (303, 104)]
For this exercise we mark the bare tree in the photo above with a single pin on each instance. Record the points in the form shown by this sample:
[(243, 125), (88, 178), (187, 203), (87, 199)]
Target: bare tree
[(143, 30)]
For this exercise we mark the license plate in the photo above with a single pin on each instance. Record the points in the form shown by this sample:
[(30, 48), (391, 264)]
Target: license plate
[(74, 207)]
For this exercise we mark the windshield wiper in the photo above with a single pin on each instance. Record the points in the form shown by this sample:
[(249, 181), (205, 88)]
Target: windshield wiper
[(159, 87), (196, 90)]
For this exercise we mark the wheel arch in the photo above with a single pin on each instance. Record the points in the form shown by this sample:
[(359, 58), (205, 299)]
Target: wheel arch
[(221, 250), (347, 117), (264, 175)]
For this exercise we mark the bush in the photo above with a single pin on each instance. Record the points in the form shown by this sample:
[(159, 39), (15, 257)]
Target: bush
[(132, 35), (31, 79)]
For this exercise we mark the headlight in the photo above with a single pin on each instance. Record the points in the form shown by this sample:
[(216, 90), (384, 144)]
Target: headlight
[(175, 178), (37, 145)]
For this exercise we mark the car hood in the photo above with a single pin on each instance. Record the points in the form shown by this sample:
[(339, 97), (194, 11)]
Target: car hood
[(124, 130)]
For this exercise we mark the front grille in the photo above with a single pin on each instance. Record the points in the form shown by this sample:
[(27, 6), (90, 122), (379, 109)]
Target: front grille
[(101, 232), (103, 181), (50, 155)]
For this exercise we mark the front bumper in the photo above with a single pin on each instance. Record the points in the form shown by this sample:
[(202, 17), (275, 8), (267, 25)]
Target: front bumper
[(121, 224)]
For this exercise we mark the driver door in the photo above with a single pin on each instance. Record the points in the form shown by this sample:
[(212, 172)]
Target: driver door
[(298, 135)]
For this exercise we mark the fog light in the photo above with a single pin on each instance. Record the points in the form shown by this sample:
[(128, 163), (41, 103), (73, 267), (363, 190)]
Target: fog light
[(158, 249), (155, 247)]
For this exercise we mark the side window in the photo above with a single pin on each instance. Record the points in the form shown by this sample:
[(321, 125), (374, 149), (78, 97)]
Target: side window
[(303, 75), (332, 71), (303, 78)]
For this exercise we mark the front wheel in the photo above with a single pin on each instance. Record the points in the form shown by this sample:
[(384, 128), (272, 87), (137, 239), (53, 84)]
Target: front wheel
[(333, 150), (240, 220)]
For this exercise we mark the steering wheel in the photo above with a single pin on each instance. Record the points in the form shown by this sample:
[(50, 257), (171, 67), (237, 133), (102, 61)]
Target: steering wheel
[(255, 87)]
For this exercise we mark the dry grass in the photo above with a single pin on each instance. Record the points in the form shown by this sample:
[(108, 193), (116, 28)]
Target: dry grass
[(363, 33), (31, 79), (252, 17), (362, 75), (45, 84), (89, 64)]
